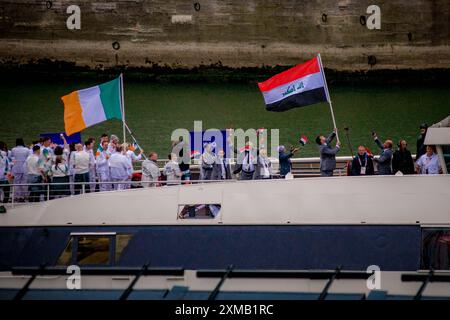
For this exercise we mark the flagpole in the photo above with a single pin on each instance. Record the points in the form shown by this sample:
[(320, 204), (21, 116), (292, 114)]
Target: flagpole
[(328, 95), (134, 139), (123, 107)]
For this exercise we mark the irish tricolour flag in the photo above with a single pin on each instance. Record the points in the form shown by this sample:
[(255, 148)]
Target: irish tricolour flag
[(84, 108), (299, 86)]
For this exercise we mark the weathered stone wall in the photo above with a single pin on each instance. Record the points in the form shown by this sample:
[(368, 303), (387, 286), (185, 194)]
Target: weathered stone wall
[(414, 33)]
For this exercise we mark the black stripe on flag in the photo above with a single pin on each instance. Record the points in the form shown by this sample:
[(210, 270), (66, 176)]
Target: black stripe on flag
[(298, 100)]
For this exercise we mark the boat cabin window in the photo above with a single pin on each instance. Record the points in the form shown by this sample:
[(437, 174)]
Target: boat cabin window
[(435, 248), (94, 249), (198, 211)]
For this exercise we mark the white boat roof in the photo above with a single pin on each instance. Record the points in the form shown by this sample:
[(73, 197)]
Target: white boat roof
[(415, 199), (439, 133)]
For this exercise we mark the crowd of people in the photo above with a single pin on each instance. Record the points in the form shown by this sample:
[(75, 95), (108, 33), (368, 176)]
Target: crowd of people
[(389, 162), (69, 168), (77, 168)]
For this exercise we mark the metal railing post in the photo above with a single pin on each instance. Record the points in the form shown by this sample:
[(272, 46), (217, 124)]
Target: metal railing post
[(12, 195), (48, 191), (83, 188)]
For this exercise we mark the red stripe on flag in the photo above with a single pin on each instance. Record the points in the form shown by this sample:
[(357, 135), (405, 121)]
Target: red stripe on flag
[(294, 73)]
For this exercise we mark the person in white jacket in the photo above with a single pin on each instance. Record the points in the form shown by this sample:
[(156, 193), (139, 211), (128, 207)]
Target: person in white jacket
[(19, 155), (150, 171), (120, 169), (172, 170), (102, 164), (131, 156)]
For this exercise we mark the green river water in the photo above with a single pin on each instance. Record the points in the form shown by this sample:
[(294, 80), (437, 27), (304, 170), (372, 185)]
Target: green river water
[(153, 110)]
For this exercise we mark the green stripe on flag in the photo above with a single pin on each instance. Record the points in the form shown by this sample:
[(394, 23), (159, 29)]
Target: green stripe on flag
[(110, 96)]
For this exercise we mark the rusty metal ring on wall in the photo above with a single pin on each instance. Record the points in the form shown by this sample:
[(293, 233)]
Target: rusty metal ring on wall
[(116, 45)]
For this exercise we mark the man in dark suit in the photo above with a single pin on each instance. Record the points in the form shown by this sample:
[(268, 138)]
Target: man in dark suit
[(221, 168), (402, 160), (385, 159), (327, 154), (362, 164), (421, 147)]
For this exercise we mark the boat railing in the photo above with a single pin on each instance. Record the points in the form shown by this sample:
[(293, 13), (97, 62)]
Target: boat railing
[(424, 277), (21, 193)]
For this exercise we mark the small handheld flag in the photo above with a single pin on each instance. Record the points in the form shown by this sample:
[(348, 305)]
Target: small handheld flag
[(303, 140)]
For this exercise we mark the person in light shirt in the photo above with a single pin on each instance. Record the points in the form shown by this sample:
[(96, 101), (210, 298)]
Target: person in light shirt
[(429, 162), (81, 165), (35, 173), (102, 163), (150, 171), (19, 155), (120, 168)]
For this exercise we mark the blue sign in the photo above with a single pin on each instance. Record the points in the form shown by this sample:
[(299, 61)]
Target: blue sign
[(76, 137), (217, 138)]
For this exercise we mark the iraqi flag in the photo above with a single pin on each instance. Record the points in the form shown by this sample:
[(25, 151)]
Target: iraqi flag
[(299, 86)]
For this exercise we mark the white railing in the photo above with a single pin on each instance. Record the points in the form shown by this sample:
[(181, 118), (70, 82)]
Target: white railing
[(301, 167)]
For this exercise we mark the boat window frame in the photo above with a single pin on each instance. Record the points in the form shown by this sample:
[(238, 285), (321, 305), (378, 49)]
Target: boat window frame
[(113, 260)]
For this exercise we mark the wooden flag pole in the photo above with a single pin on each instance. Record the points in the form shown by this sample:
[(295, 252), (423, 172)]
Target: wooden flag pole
[(123, 108), (328, 95)]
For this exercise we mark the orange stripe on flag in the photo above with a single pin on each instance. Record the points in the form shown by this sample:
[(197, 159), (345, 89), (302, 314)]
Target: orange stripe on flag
[(73, 118)]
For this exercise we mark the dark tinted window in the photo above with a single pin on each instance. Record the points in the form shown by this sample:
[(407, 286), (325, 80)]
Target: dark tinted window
[(436, 249)]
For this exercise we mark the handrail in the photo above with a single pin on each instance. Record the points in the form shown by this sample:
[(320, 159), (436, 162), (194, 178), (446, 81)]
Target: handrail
[(98, 271)]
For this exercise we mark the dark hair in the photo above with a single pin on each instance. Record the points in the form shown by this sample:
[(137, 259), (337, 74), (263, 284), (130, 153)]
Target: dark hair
[(424, 126), (88, 142), (72, 146), (19, 142), (318, 140), (58, 151), (35, 142), (169, 156), (104, 135), (433, 147), (119, 148), (151, 154), (58, 160), (46, 139), (36, 148), (3, 146)]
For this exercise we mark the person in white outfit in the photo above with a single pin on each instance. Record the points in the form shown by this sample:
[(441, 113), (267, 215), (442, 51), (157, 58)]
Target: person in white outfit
[(4, 174), (131, 156), (35, 174), (102, 163), (19, 155), (120, 169), (150, 171), (81, 164), (172, 171), (89, 148), (47, 155), (114, 142)]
